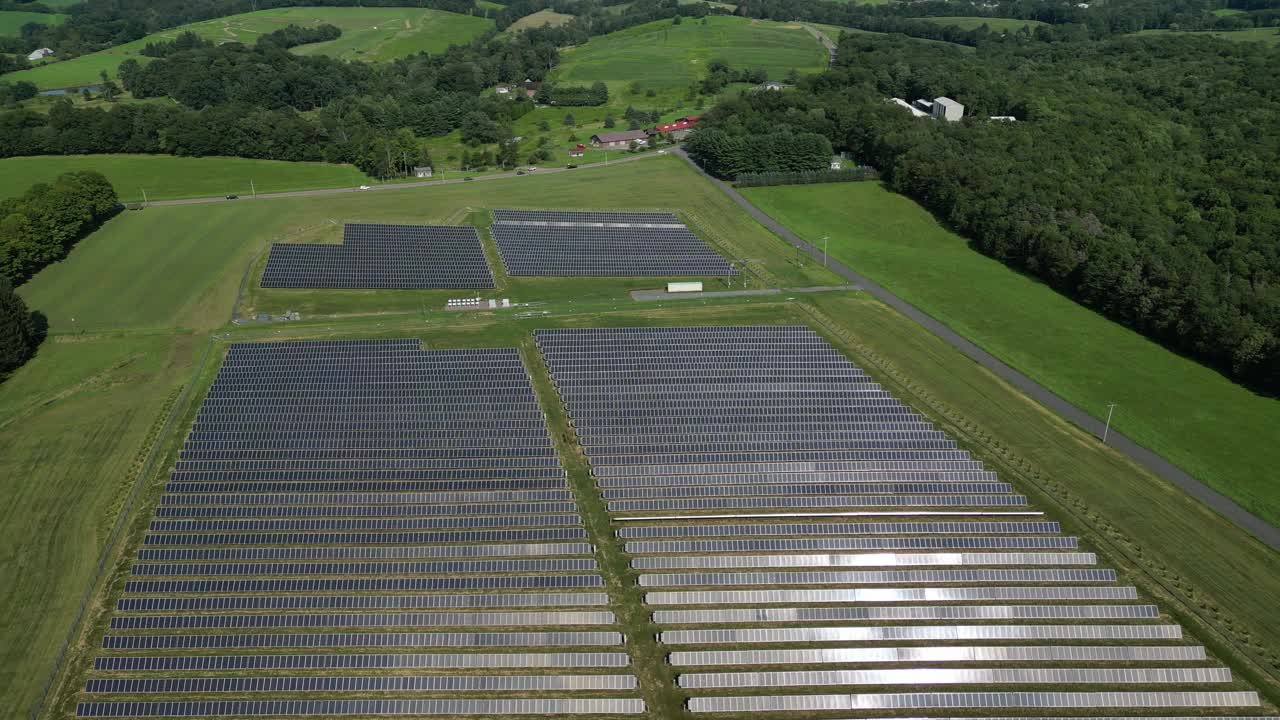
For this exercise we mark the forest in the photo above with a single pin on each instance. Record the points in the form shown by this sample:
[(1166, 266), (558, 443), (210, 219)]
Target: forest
[(1141, 178)]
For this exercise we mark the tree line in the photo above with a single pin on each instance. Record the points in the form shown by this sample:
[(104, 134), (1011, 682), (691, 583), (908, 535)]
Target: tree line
[(1142, 177), (574, 95)]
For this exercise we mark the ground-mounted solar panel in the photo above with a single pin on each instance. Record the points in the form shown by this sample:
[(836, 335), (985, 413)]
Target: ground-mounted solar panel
[(566, 243), (361, 661), (455, 707), (928, 656), (367, 495), (785, 510), (912, 701), (393, 257)]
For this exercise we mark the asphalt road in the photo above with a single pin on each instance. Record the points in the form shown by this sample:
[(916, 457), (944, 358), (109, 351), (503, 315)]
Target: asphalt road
[(396, 186), (1225, 506)]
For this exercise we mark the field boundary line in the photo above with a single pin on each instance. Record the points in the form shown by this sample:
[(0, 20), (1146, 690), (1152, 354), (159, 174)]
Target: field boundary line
[(1104, 532), (1264, 531), (111, 548)]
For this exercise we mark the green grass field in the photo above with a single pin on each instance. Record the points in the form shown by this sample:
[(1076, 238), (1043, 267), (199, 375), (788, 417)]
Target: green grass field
[(1176, 407), (833, 32), (11, 21), (542, 18), (72, 424), (373, 34), (995, 24), (73, 421), (181, 265), (1269, 35), (165, 177), (660, 55)]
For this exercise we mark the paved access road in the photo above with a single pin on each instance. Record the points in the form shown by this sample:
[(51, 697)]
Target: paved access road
[(1259, 528), (398, 186)]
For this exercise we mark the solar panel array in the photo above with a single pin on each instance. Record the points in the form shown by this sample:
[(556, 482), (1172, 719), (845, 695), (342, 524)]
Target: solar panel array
[(433, 547), (807, 543), (383, 257), (555, 242)]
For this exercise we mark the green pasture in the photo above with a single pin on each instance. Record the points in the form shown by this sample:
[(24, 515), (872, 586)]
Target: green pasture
[(373, 34), (1189, 414), (660, 55), (833, 32), (1269, 35), (542, 18), (73, 424), (11, 21), (166, 177), (994, 24), (182, 265)]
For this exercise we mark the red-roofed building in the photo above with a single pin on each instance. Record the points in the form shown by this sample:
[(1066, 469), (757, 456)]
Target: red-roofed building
[(683, 123)]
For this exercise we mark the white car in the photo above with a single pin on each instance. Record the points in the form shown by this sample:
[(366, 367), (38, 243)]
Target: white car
[(365, 187)]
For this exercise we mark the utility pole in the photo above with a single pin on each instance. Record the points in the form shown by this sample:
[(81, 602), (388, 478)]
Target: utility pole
[(825, 240), (1111, 408), (253, 190), (144, 197)]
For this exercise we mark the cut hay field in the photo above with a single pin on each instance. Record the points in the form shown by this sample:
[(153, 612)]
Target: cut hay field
[(373, 34), (542, 18), (1269, 35), (11, 21), (659, 55), (165, 177), (995, 24), (1193, 416)]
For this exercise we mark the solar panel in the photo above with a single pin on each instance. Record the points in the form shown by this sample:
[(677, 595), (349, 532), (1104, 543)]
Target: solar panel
[(814, 703), (364, 683), (367, 661), (927, 632), (471, 706), (602, 244), (955, 676), (948, 654), (383, 257)]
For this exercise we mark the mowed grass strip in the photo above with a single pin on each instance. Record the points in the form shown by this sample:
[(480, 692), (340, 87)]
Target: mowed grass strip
[(993, 23), (165, 177), (182, 265), (662, 55), (1219, 432), (374, 34), (11, 21), (1269, 35)]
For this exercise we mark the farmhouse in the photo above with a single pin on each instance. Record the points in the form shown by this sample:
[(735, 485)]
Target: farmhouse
[(623, 139), (577, 152), (40, 54)]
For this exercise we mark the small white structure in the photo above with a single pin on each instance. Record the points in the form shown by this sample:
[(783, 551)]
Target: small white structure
[(502, 90), (837, 162), (40, 54), (1003, 118), (944, 108), (915, 111), (423, 172), (679, 287)]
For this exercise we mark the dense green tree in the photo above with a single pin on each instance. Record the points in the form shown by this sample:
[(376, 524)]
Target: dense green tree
[(18, 332)]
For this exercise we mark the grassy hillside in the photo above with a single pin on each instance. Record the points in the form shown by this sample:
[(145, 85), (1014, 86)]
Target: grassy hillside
[(11, 21), (542, 18), (165, 177), (374, 34), (1187, 413), (1269, 35), (995, 24), (660, 55)]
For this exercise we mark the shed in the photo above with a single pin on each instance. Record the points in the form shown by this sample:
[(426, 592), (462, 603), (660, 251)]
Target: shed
[(423, 172), (40, 54)]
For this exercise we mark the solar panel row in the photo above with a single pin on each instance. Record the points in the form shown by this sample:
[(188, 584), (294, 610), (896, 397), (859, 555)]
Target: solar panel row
[(383, 256), (738, 459), (371, 496)]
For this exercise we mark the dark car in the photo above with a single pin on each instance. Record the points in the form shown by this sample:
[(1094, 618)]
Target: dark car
[(466, 179), (570, 166), (233, 197), (520, 172)]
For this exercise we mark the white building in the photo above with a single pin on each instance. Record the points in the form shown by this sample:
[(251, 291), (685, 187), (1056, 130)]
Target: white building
[(944, 108), (40, 54), (423, 172), (1004, 118)]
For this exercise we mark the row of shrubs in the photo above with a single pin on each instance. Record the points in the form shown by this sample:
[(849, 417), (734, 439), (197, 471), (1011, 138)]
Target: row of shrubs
[(806, 177)]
